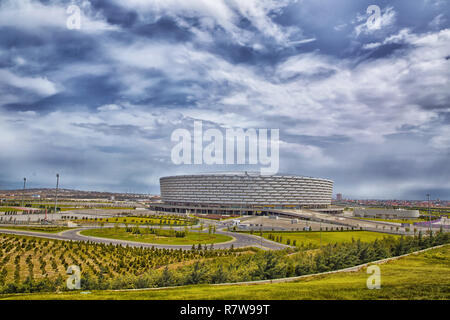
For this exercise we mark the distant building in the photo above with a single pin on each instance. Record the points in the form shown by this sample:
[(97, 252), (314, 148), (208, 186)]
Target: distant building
[(339, 197), (386, 213)]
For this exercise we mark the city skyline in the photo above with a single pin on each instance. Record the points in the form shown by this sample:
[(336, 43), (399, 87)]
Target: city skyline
[(38, 190)]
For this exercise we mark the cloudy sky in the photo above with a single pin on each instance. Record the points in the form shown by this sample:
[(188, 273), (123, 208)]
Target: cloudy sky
[(368, 108)]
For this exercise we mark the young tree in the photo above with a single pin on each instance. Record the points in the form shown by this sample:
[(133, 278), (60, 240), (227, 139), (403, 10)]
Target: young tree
[(219, 276), (166, 278), (196, 275)]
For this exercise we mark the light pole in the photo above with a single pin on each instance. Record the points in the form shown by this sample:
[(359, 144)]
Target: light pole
[(23, 192), (429, 212), (56, 190), (260, 230), (320, 233)]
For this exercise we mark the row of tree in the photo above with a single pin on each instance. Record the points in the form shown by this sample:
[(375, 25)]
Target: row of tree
[(260, 265), (158, 232)]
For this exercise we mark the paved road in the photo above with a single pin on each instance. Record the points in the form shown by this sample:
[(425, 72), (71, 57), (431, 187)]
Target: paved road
[(240, 240), (341, 220)]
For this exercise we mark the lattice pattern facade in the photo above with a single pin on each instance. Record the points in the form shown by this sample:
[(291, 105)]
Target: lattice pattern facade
[(246, 190)]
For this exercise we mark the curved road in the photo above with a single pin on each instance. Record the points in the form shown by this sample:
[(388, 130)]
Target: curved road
[(239, 240)]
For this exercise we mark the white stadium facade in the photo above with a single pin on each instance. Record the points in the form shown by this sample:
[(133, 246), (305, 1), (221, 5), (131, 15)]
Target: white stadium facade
[(242, 193)]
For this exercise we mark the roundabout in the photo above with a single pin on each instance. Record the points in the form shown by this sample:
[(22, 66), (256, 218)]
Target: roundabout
[(158, 236)]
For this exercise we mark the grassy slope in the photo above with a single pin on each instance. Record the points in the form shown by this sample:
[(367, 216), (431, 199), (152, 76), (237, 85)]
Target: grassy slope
[(191, 238), (327, 237), (400, 279)]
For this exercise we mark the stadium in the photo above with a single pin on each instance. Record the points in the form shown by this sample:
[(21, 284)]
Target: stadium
[(242, 193)]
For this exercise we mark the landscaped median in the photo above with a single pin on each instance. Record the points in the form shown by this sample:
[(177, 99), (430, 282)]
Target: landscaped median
[(315, 238), (144, 220), (410, 221), (157, 236), (9, 209)]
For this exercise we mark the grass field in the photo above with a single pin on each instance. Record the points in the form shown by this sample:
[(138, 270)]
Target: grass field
[(191, 238), (218, 217), (140, 220), (64, 207), (410, 221), (38, 229), (5, 209), (313, 237), (400, 279)]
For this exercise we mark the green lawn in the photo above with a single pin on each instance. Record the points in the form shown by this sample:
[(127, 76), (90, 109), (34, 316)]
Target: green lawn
[(66, 207), (410, 221), (400, 279), (114, 208), (5, 209), (191, 238), (38, 229), (140, 220), (200, 217), (313, 237)]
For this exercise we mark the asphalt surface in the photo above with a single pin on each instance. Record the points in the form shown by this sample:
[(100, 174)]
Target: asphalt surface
[(239, 240)]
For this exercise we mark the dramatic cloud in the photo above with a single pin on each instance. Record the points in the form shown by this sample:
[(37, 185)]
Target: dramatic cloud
[(367, 108)]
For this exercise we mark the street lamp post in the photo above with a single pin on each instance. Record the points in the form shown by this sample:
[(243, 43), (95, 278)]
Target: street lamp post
[(260, 228), (56, 191), (320, 233), (429, 212), (23, 192)]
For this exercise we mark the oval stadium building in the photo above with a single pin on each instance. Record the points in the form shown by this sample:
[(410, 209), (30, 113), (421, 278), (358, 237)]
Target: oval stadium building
[(245, 190)]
